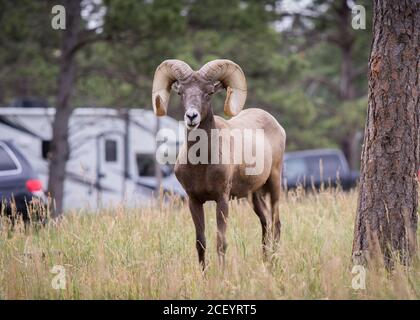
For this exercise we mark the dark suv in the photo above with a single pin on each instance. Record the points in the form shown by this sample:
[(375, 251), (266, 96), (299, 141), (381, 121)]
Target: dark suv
[(312, 168), (19, 183)]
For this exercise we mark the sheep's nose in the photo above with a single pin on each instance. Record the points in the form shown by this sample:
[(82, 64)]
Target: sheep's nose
[(191, 115)]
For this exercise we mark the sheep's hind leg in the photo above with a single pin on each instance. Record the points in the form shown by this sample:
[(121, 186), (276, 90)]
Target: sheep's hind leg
[(222, 214), (260, 208), (274, 185), (197, 213)]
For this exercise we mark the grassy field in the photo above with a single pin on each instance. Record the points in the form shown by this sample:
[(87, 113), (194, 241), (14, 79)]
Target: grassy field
[(150, 254)]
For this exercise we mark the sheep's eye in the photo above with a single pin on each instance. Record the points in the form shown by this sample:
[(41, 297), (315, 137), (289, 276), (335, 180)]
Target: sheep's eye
[(180, 93), (207, 96)]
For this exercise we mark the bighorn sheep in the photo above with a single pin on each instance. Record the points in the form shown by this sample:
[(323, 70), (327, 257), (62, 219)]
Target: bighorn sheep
[(220, 182)]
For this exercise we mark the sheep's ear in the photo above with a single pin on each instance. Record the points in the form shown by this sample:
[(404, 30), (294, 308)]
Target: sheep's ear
[(218, 86), (176, 87)]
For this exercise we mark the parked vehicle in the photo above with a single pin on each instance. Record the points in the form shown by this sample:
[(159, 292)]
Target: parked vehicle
[(112, 153), (312, 168), (19, 184), (29, 102)]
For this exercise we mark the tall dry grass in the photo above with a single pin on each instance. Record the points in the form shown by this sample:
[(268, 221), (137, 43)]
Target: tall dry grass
[(150, 253)]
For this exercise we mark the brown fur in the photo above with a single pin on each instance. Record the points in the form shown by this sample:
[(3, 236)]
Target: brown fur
[(220, 182)]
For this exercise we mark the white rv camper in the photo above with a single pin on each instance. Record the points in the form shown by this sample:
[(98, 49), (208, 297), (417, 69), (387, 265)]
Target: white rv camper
[(112, 153)]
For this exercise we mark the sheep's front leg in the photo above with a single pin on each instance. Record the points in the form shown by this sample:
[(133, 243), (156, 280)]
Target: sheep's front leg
[(222, 213), (197, 213)]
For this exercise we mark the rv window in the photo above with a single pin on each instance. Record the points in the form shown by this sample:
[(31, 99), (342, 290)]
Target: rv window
[(110, 150), (6, 162), (46, 147), (145, 165)]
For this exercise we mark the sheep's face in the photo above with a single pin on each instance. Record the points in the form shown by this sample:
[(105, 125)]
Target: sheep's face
[(195, 98)]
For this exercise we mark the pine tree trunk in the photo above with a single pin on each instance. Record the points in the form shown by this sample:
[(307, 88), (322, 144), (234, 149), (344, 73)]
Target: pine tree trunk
[(60, 151), (347, 90), (386, 220)]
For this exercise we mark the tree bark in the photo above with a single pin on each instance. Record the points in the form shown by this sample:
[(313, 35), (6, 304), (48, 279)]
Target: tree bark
[(386, 219), (60, 151)]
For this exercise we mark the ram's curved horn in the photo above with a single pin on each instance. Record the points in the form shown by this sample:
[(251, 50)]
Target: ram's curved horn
[(232, 78), (166, 74)]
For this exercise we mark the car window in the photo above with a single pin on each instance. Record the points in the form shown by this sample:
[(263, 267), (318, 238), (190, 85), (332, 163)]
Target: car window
[(7, 163), (328, 165), (294, 168)]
